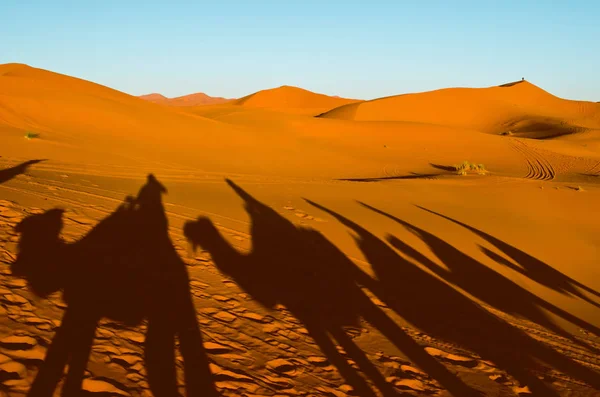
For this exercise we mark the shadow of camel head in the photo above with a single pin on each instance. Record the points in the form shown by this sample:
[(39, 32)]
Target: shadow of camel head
[(38, 247), (201, 232)]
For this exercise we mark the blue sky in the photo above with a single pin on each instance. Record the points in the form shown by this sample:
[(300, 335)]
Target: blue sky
[(359, 49)]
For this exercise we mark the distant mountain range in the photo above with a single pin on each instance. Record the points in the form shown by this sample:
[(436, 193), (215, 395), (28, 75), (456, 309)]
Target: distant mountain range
[(197, 99)]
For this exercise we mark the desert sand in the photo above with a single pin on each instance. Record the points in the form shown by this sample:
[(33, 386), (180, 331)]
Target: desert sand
[(290, 243)]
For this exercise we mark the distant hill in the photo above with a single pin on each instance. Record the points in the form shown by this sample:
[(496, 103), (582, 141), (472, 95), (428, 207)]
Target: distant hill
[(292, 98), (197, 99), (157, 98)]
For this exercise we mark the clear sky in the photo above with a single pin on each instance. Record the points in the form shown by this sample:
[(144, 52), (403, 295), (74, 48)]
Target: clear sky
[(359, 49)]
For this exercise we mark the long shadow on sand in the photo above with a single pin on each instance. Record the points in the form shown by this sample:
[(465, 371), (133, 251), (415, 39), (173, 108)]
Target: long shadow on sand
[(300, 269), (490, 286), (435, 307), (125, 269), (412, 175), (9, 173), (528, 265), (447, 168)]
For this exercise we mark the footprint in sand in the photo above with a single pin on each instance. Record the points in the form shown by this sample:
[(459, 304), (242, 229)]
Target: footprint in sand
[(283, 367), (23, 348), (225, 317), (221, 374), (229, 283), (197, 284), (216, 348), (102, 388), (15, 283), (278, 382), (11, 370), (409, 384), (452, 358), (127, 360), (12, 215), (256, 317)]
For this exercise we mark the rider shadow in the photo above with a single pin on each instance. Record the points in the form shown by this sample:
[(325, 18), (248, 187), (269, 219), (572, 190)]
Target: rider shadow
[(300, 269), (125, 269), (441, 311)]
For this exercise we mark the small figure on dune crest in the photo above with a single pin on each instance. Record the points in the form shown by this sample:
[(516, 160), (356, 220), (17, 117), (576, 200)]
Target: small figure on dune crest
[(125, 269)]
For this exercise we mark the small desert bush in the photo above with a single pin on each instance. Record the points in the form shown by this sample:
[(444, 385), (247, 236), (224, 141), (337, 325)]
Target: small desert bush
[(506, 133), (465, 167), (31, 135)]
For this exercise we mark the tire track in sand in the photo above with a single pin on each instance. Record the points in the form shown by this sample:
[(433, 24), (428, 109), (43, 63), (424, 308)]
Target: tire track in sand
[(538, 167), (595, 169)]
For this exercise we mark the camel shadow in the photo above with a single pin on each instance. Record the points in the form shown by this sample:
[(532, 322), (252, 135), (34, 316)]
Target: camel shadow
[(125, 269), (528, 265), (300, 269), (434, 306), (490, 286), (9, 173)]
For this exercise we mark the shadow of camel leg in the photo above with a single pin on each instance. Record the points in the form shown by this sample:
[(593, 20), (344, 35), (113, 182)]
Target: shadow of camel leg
[(56, 359), (361, 388), (197, 375), (160, 357), (81, 347), (416, 353), (363, 362)]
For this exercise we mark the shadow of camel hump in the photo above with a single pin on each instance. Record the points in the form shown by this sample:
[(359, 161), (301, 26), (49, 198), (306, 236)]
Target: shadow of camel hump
[(300, 269), (125, 269), (433, 306), (9, 173)]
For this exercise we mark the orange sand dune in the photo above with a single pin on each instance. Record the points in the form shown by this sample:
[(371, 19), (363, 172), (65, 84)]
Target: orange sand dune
[(199, 98), (460, 281), (82, 121), (292, 99), (520, 107)]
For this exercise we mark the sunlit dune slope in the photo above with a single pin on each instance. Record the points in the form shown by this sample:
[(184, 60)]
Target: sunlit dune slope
[(521, 107), (197, 99), (292, 99), (86, 123), (80, 122), (43, 101)]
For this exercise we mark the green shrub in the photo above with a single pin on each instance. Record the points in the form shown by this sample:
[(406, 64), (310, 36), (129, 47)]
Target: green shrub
[(465, 166), (31, 135)]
